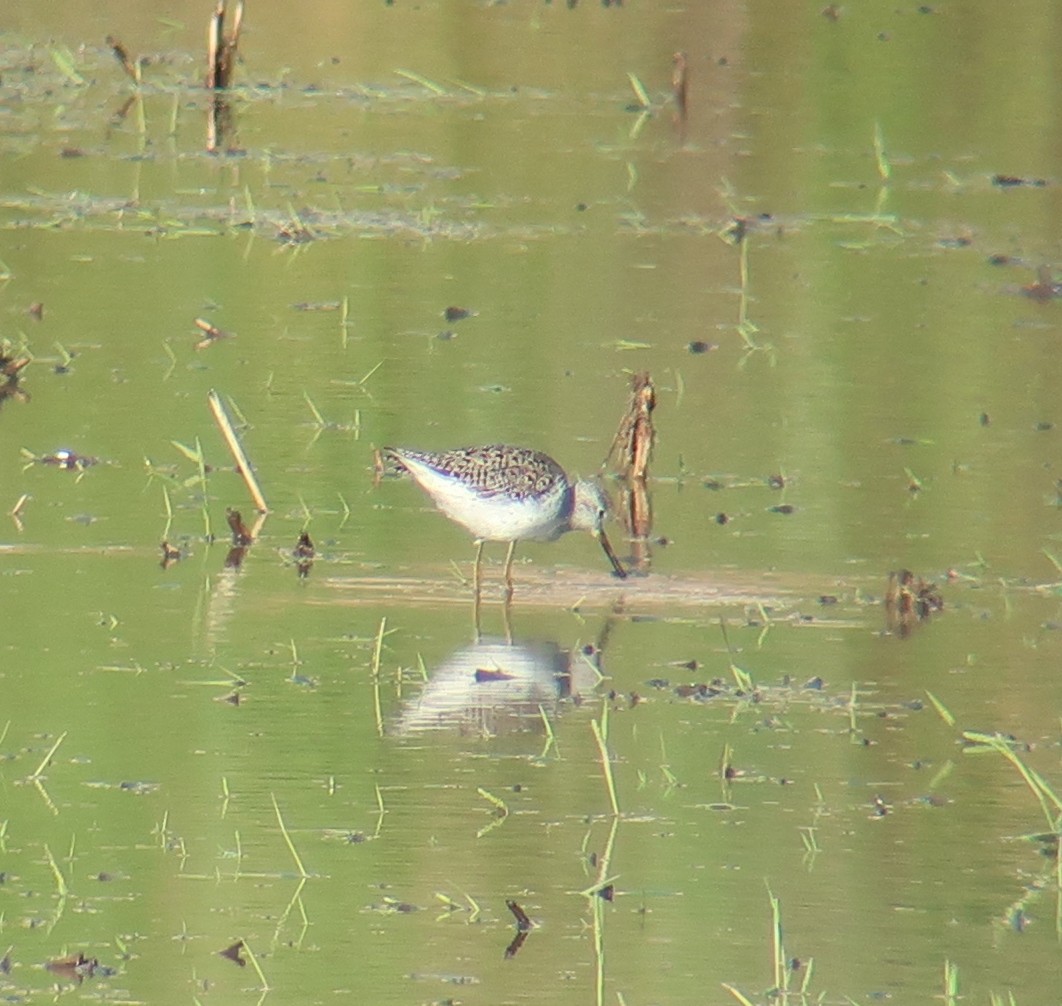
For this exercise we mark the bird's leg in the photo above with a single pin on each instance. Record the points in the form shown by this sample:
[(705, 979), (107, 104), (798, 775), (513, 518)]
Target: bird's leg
[(509, 572), (475, 618), (475, 572), (507, 620)]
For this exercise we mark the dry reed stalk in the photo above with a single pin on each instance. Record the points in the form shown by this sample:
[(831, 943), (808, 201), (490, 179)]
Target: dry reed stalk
[(228, 431)]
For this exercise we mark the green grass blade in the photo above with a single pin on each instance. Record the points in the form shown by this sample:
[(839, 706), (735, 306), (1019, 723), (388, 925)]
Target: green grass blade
[(639, 90)]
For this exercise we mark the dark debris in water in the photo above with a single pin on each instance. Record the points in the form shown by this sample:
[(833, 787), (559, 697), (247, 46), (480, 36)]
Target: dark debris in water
[(138, 786), (452, 314), (772, 701), (1045, 288), (211, 333), (909, 600), (66, 459), (232, 953), (1016, 181), (698, 346), (392, 906), (78, 967), (11, 367), (492, 674), (303, 555), (241, 534)]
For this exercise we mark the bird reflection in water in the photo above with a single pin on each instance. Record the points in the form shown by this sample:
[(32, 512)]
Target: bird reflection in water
[(495, 686)]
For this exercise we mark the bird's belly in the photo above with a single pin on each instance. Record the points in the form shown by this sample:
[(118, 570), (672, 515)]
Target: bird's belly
[(490, 518)]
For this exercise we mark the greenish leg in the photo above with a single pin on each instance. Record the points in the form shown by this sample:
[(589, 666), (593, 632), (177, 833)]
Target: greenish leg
[(475, 574), (509, 571)]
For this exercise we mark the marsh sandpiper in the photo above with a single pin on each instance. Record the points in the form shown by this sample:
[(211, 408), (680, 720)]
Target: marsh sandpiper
[(503, 493)]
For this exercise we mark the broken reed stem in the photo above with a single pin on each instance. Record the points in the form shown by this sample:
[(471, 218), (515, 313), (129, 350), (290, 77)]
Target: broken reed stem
[(598, 910), (496, 802), (221, 50), (551, 738), (745, 1001), (376, 654), (213, 44), (743, 272), (60, 882), (48, 757), (680, 83), (130, 66), (228, 431), (1050, 802), (778, 948), (257, 967), (287, 838), (606, 764), (633, 443)]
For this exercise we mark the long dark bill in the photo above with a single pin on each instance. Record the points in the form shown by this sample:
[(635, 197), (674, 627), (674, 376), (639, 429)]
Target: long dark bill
[(607, 546)]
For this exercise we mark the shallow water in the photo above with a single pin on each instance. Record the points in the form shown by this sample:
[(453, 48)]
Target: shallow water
[(330, 768)]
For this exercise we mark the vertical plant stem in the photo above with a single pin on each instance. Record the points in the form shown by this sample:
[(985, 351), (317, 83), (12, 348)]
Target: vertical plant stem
[(606, 761)]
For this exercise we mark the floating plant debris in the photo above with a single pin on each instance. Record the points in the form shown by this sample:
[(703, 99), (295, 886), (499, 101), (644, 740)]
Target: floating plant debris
[(697, 347), (304, 547), (632, 446), (241, 533), (304, 554), (909, 600), (295, 232), (523, 922), (523, 926), (76, 967), (221, 47), (680, 84), (452, 314), (68, 460), (1013, 181), (232, 953), (632, 449), (211, 334), (1045, 288), (11, 368), (132, 68)]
